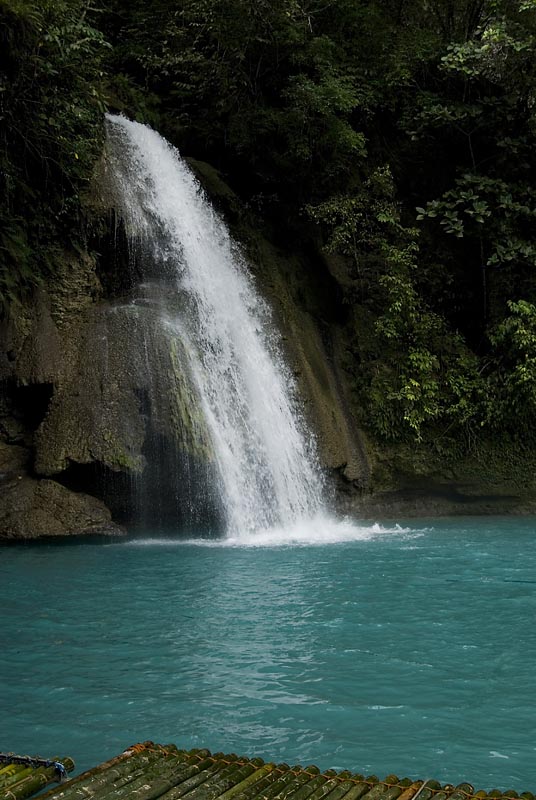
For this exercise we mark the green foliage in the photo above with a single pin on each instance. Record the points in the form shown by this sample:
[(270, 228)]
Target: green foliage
[(266, 85), (427, 375), (416, 373), (359, 223), (501, 213), (476, 109), (400, 133), (514, 377), (50, 132)]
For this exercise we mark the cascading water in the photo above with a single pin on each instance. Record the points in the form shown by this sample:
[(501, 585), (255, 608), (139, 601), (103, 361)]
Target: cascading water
[(265, 459)]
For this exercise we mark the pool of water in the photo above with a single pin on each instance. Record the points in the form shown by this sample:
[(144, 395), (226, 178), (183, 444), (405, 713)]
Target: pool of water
[(406, 650)]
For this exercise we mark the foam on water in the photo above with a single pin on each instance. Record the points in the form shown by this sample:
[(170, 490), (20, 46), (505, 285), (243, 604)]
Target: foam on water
[(321, 530)]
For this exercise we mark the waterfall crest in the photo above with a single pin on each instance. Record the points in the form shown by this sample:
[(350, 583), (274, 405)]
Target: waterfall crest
[(265, 458)]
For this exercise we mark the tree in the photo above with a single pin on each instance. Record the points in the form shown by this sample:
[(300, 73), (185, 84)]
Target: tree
[(50, 132)]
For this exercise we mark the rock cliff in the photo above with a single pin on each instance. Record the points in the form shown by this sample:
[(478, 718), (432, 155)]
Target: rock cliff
[(95, 400), (99, 427)]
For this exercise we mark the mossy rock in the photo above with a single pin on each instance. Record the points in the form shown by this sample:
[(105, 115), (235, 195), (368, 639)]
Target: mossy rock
[(124, 368), (35, 508)]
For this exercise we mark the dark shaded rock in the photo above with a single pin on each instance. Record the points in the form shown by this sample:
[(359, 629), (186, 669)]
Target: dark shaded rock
[(13, 461), (32, 508), (433, 501), (40, 356), (219, 191)]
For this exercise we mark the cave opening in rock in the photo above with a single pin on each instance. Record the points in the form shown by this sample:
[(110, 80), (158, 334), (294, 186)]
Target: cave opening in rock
[(30, 403)]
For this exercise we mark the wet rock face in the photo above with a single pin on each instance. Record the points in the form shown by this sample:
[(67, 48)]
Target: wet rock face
[(14, 461), (99, 385), (94, 414), (30, 508), (97, 393), (33, 508), (123, 376)]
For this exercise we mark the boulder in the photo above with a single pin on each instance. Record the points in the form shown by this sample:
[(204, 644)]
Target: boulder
[(33, 508)]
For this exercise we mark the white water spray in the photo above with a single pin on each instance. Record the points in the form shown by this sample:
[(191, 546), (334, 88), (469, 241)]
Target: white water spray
[(266, 460)]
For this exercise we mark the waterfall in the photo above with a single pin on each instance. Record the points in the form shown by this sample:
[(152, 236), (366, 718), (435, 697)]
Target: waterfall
[(264, 455)]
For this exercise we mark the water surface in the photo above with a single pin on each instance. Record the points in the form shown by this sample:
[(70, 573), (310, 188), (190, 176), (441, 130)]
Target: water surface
[(394, 650)]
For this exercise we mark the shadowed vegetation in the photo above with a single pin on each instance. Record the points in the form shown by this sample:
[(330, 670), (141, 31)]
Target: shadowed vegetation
[(397, 136)]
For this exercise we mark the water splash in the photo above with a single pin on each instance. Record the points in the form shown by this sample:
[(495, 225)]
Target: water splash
[(320, 531), (266, 460)]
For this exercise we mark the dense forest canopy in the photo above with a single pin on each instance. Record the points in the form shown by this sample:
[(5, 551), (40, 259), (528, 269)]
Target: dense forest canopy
[(398, 136)]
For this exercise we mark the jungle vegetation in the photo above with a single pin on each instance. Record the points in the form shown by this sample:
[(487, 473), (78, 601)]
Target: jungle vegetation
[(397, 135)]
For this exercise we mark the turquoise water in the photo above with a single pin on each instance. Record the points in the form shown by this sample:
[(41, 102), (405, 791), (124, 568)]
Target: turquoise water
[(411, 651)]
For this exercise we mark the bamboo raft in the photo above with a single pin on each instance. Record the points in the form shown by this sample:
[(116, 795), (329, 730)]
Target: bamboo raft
[(148, 771), (23, 776)]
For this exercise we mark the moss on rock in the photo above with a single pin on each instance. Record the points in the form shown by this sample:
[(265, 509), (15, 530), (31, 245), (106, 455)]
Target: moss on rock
[(35, 508), (124, 368)]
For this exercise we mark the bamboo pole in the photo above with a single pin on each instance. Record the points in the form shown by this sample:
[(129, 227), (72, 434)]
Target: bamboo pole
[(441, 796), (187, 764), (162, 784), (181, 785), (131, 774), (9, 773), (165, 765), (250, 781), (226, 782), (255, 789), (216, 782), (356, 790), (35, 780), (426, 794), (309, 787), (15, 772), (286, 782), (118, 775), (9, 765), (9, 769), (98, 781), (101, 769), (226, 779), (391, 793), (325, 789), (461, 791), (194, 785), (17, 777), (411, 790), (31, 783), (376, 791), (337, 785), (87, 775), (341, 790), (395, 792)]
